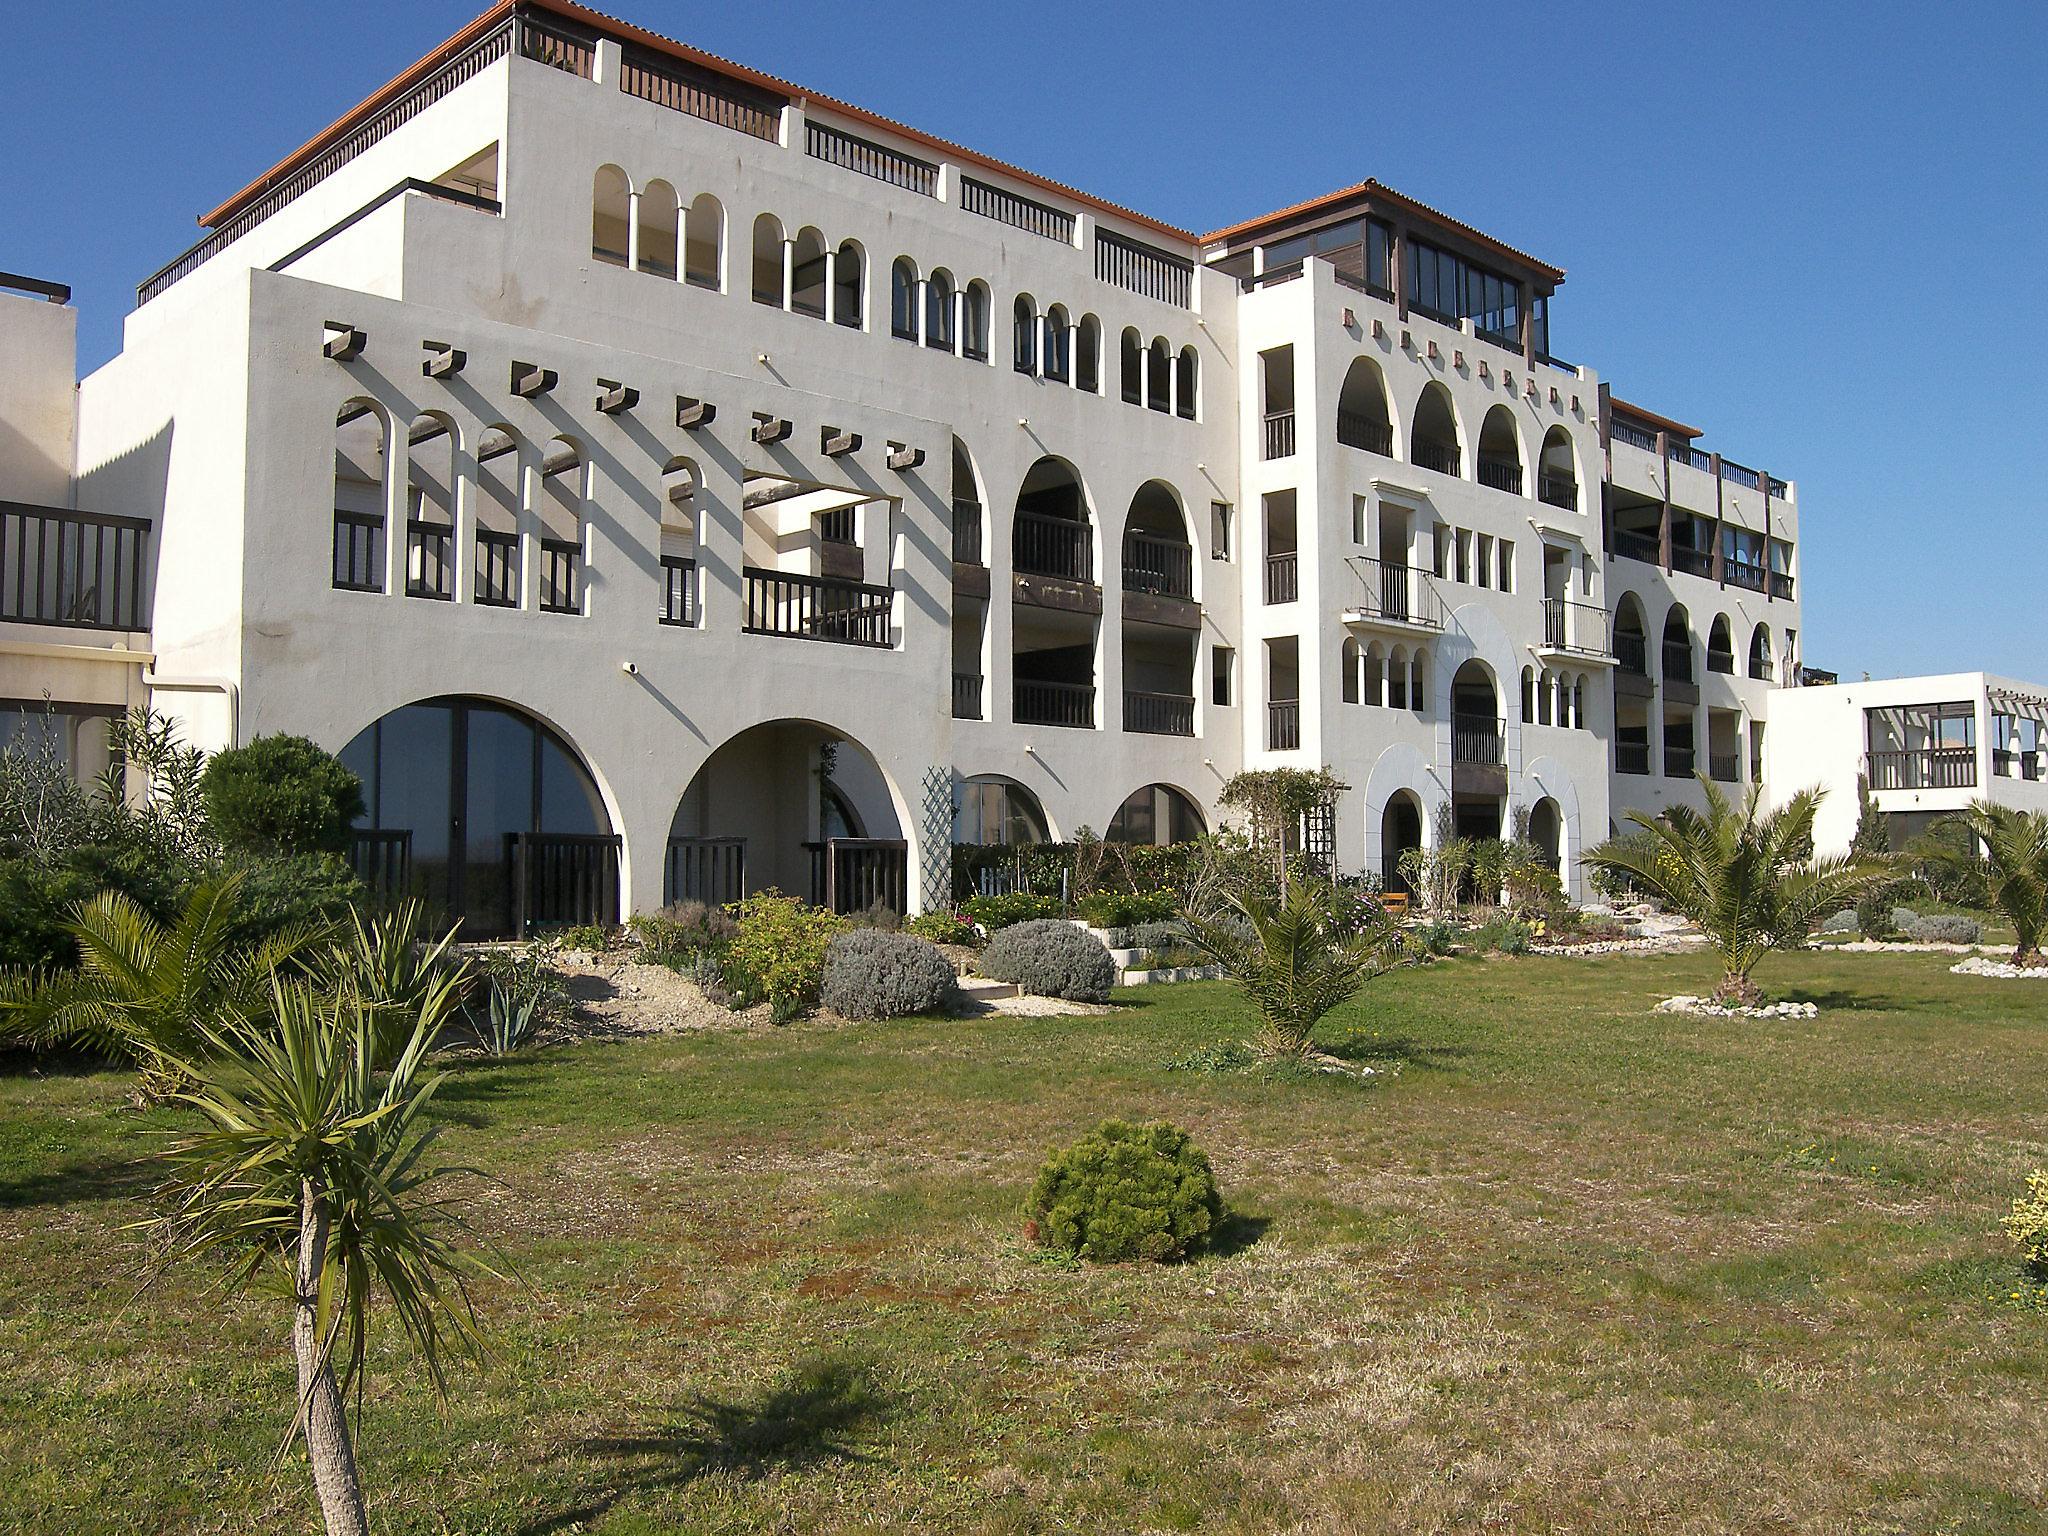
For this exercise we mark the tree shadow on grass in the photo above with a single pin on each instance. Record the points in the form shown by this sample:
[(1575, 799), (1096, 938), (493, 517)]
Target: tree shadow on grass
[(1238, 1232), (805, 1418), (1848, 1000), (1367, 1049), (91, 1178)]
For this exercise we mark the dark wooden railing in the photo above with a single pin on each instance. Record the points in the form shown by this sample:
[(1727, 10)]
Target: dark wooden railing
[(566, 51), (1778, 584), (1045, 545), (1355, 431), (1924, 768), (1638, 546), (1479, 739), (1678, 661), (1019, 212), (689, 88), (1067, 704), (712, 870), (561, 576), (1740, 573), (1283, 577), (1678, 762), (1283, 725), (966, 695), (358, 551), (1760, 665), (678, 590), (1558, 491), (837, 526), (852, 874), (381, 858), (497, 569), (1143, 269), (1725, 767), (1158, 565), (1159, 714), (967, 532), (866, 158), (1279, 434), (76, 570), (797, 606), (1721, 661), (1694, 562), (1501, 474), (1397, 593), (561, 878), (1441, 457), (1579, 628), (1632, 757), (1632, 651), (1638, 437), (430, 560)]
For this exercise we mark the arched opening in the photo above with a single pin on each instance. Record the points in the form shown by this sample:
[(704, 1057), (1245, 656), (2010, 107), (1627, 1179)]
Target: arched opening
[(1187, 385), (903, 299), (994, 812), (1720, 645), (1024, 334), (1159, 638), (970, 605), (498, 563), (1632, 687), (1397, 677), (768, 272), (1158, 375), (1528, 695), (1131, 358), (849, 285), (611, 214), (974, 321), (1157, 815), (1350, 666), (1433, 440), (704, 243), (1059, 345), (660, 215), (938, 310), (1760, 663), (430, 508), (1478, 751), (1631, 636), (1052, 534), (679, 595), (1677, 646), (1557, 481), (1500, 451), (1088, 355), (1372, 684), (1052, 643), (486, 814), (360, 446), (1400, 830), (791, 805), (807, 273), (1546, 831), (1159, 557), (1680, 695), (1364, 419), (563, 489)]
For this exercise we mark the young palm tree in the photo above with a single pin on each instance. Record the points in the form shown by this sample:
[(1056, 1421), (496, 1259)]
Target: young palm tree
[(2013, 848), (1748, 878), (1296, 955), (313, 1163)]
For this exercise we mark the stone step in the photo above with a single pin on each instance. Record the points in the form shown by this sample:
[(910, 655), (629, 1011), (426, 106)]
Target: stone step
[(981, 990)]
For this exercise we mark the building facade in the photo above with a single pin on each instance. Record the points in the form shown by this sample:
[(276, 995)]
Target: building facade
[(658, 480)]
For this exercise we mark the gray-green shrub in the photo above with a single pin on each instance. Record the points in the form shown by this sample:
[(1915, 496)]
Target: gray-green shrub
[(1051, 958), (1944, 928), (873, 973), (1126, 1192)]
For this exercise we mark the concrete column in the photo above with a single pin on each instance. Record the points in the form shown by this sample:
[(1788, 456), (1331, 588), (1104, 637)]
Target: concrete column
[(788, 272), (1172, 386), (397, 506), (632, 230), (526, 476), (462, 491), (920, 294), (1144, 374), (831, 285)]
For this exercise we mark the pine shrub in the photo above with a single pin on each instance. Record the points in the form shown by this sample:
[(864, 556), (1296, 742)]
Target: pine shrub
[(872, 973), (1051, 958), (1127, 1192)]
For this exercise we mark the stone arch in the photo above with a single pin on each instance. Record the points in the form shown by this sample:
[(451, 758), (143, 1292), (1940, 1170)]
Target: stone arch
[(1435, 436)]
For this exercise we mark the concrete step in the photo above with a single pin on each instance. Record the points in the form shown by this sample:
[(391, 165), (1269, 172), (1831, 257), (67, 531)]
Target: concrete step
[(981, 990)]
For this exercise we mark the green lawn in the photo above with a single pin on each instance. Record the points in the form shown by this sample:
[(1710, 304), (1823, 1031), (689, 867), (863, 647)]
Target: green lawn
[(1575, 1268)]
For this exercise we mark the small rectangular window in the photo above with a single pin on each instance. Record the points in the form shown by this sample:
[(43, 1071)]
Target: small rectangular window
[(1443, 547), (1507, 565), (1220, 530), (1484, 564), (1222, 665), (1465, 556), (1358, 511)]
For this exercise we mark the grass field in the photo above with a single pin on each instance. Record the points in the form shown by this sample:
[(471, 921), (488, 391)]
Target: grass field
[(1575, 1267)]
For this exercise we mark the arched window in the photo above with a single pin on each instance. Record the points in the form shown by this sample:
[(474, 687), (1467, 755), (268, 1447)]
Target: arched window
[(1088, 355), (1186, 381), (1131, 352), (1363, 420), (1557, 480), (807, 274), (1397, 678), (1720, 646), (974, 311), (1546, 691), (849, 285), (1058, 345), (563, 476), (1579, 704), (1024, 334), (659, 214), (679, 599), (1352, 664), (1158, 376), (938, 310), (1158, 814), (704, 244), (1500, 451), (1528, 695), (611, 213), (1677, 646), (498, 563), (903, 299), (989, 811), (1433, 441), (430, 509), (1418, 683), (1760, 665), (1375, 675), (768, 288), (360, 444)]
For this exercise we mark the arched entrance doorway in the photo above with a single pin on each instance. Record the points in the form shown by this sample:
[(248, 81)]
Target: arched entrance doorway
[(486, 814), (1546, 831), (1479, 779), (1158, 814), (791, 805), (1400, 830)]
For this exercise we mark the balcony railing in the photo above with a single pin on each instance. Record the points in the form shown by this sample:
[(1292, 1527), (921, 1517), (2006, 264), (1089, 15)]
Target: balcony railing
[(1283, 577), (2011, 764), (561, 877), (966, 695), (1479, 739), (430, 560), (1579, 628), (1677, 662), (1623, 432), (853, 874), (1501, 474), (1396, 593), (678, 591), (1638, 546), (1678, 762), (1063, 704), (1694, 562), (1740, 573), (381, 857), (1279, 434), (1165, 567), (1053, 546), (497, 569), (1761, 667), (561, 576), (1724, 767), (1159, 714), (1632, 651), (1558, 491), (76, 570), (1632, 757), (1283, 725), (1441, 457), (967, 532), (712, 870), (1355, 431), (358, 551), (802, 607), (1924, 768), (1778, 584), (1721, 661)]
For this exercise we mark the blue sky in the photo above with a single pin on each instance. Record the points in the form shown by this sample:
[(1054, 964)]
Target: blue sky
[(1817, 231)]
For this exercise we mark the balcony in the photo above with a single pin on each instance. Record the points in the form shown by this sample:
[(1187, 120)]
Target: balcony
[(1677, 662), (1499, 473), (1283, 578), (358, 552), (678, 591), (1638, 546), (966, 695), (1740, 573), (1159, 566), (1721, 661), (967, 532), (1354, 431), (1279, 442), (1924, 768), (1441, 457), (1062, 704), (1778, 584), (1479, 740), (1632, 653), (1054, 546), (1578, 629), (800, 607), (1724, 767), (430, 560), (1558, 491), (1395, 596), (1678, 762), (497, 569), (1694, 562), (1283, 725), (1632, 757), (1159, 714), (561, 576), (75, 570)]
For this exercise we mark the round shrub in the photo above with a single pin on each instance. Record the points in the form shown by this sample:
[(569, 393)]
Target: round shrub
[(872, 973), (280, 795), (1841, 922), (1945, 928), (1903, 919), (943, 927), (1051, 958), (2027, 1225), (1125, 1192)]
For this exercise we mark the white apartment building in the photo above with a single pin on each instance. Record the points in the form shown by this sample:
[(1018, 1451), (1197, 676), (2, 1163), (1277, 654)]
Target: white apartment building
[(657, 480)]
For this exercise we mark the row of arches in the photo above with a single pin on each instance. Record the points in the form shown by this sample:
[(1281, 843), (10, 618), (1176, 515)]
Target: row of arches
[(1436, 438), (1393, 677), (650, 229), (1554, 698), (991, 810), (1675, 648), (937, 312)]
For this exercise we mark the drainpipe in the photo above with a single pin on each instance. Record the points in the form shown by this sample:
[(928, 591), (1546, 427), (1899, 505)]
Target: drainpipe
[(224, 686)]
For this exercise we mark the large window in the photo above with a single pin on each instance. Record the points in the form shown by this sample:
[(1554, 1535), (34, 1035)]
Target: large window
[(1448, 288), (1361, 249), (989, 811)]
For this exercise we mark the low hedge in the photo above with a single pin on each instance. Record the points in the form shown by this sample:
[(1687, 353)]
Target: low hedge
[(1051, 958)]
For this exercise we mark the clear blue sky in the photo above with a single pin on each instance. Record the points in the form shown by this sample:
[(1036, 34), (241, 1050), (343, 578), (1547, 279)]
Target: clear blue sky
[(1818, 231)]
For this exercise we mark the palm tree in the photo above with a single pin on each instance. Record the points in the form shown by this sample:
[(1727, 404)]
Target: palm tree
[(143, 987), (1295, 955), (1747, 877), (313, 1163), (2009, 850)]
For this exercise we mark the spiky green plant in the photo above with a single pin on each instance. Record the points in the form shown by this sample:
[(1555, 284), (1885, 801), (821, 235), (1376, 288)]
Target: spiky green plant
[(2009, 848), (1747, 877), (312, 1164), (1294, 955), (387, 962)]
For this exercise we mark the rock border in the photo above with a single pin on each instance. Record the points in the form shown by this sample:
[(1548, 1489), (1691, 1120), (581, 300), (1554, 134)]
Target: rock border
[(1998, 970), (1701, 1007)]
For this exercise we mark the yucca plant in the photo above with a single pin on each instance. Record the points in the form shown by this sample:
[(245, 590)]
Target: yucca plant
[(1748, 878), (397, 972), (1295, 956), (512, 1018), (2009, 848), (143, 988), (313, 1165)]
